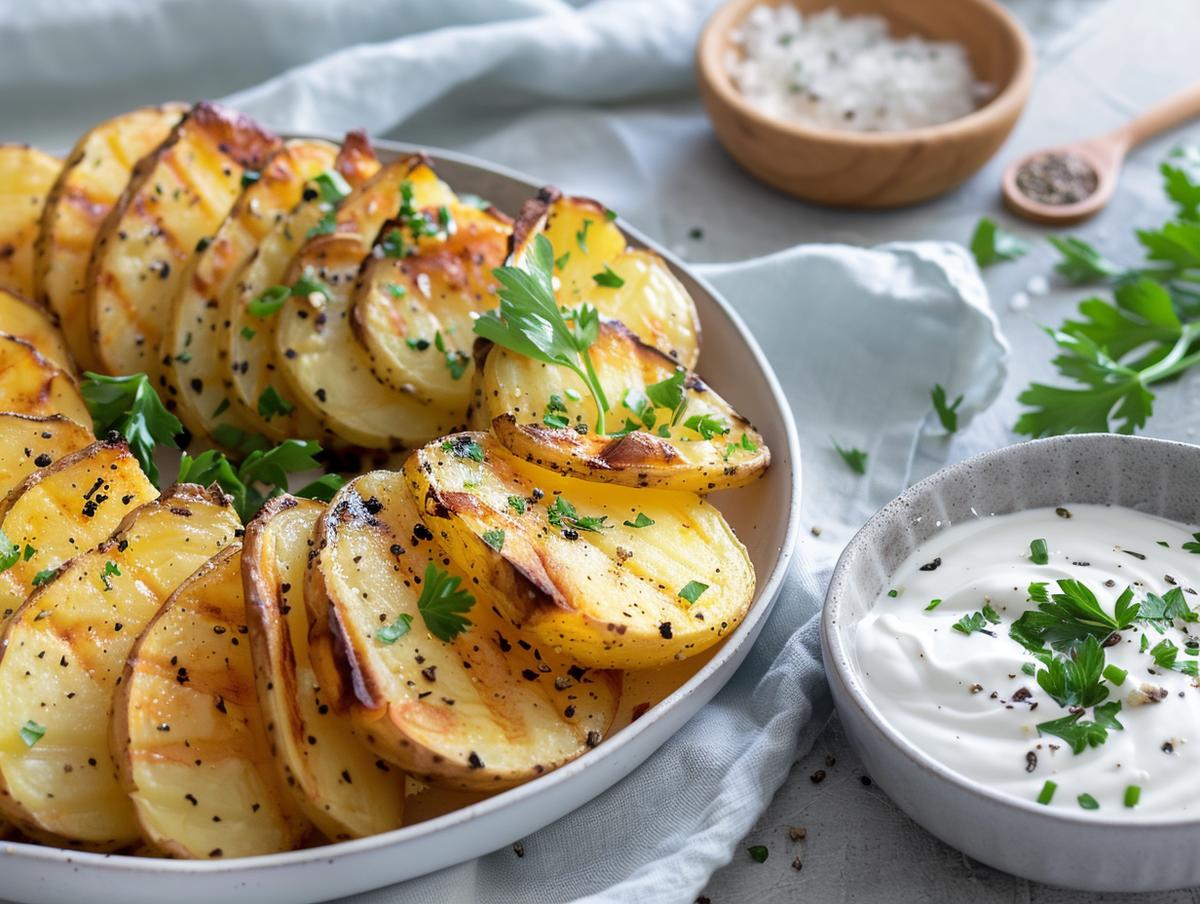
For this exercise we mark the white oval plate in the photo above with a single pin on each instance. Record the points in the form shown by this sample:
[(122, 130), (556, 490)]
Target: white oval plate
[(765, 516)]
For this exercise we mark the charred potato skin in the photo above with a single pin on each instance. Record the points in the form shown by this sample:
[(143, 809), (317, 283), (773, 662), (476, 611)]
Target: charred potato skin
[(29, 442), (30, 383), (38, 326)]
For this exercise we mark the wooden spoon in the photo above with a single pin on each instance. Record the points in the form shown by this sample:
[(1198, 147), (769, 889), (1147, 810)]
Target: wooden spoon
[(1104, 154)]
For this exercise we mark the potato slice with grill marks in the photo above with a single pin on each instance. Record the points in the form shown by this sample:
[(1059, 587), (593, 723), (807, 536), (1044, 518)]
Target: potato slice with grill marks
[(642, 293), (195, 370), (66, 509), (26, 175), (565, 558), (32, 384), (29, 442), (176, 197), (247, 339), (489, 709), (343, 788), (189, 737), (534, 410), (63, 652), (414, 315), (329, 371), (39, 327), (96, 172)]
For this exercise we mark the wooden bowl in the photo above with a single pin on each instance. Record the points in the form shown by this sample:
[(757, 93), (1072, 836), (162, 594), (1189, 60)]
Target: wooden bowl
[(874, 169)]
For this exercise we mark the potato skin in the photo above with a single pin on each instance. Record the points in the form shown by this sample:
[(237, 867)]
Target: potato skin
[(38, 326), (33, 384), (26, 177), (29, 442)]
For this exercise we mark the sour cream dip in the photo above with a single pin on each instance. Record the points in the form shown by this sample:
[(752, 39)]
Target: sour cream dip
[(1051, 655)]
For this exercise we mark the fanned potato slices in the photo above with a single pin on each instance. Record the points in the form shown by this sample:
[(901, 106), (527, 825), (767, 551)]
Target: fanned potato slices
[(96, 172), (192, 352), (63, 653), (612, 576), (26, 175), (191, 746), (342, 787), (247, 336), (415, 314), (32, 384), (534, 410), (327, 369), (29, 442), (489, 709), (176, 197), (22, 318), (65, 509), (594, 264)]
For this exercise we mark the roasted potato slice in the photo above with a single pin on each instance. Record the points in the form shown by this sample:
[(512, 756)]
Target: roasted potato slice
[(190, 743), (612, 576), (534, 410), (67, 508), (327, 369), (96, 172), (247, 336), (63, 652), (32, 384), (196, 372), (414, 314), (28, 442), (26, 175), (342, 787), (39, 327), (594, 264), (488, 709), (177, 196)]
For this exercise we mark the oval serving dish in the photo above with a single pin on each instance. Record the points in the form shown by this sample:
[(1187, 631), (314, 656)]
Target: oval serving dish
[(765, 516), (1060, 847)]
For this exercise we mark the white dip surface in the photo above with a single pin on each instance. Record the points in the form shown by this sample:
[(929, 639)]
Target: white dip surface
[(952, 694), (847, 72)]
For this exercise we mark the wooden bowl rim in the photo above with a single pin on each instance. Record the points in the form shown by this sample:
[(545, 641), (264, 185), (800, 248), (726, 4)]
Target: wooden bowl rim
[(1004, 104)]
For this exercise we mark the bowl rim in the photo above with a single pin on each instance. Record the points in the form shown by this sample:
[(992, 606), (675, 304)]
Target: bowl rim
[(839, 664), (1007, 102), (766, 594)]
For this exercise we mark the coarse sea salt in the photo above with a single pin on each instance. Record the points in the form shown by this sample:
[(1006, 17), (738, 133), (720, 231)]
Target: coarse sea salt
[(847, 72)]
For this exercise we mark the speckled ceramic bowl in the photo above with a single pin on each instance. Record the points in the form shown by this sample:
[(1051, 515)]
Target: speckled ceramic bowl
[(1055, 846)]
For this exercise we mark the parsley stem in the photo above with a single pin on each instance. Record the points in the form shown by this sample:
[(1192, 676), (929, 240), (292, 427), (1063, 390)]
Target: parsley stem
[(597, 391)]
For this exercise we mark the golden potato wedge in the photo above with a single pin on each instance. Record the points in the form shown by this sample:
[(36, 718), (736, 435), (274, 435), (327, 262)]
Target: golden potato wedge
[(67, 508), (635, 286), (39, 327), (29, 442), (247, 337), (414, 314), (187, 731), (31, 384), (62, 655), (489, 708), (612, 576), (328, 371), (340, 785), (546, 415), (177, 196), (96, 172), (26, 175), (195, 370)]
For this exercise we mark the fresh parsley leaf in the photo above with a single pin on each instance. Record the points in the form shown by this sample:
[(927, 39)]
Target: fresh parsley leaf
[(29, 553), (976, 621), (608, 278), (321, 489), (669, 394), (1081, 733), (271, 403), (262, 474), (130, 406), (1070, 617), (990, 244), (43, 576), (707, 425), (563, 514), (530, 323), (947, 413), (1037, 592), (456, 361), (556, 413), (1080, 263), (442, 605), (1075, 680), (517, 504), (494, 539), (1181, 181), (1165, 654), (855, 459), (642, 520), (31, 732), (691, 591), (390, 633), (933, 604), (1193, 545), (1088, 802), (10, 552), (758, 853), (1161, 611)]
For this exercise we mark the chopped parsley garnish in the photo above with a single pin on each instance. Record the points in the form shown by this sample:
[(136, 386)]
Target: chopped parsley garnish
[(745, 444), (990, 244), (933, 604), (1165, 655), (530, 322), (269, 302), (669, 394), (561, 261), (1133, 794), (691, 591), (390, 633), (563, 514), (1047, 793), (456, 361), (1193, 545), (1075, 679), (1088, 802), (111, 570), (517, 504), (608, 278), (758, 853), (1080, 263), (855, 459), (581, 236), (249, 333), (130, 406), (640, 521), (1039, 554), (947, 413), (392, 244), (442, 604), (31, 732), (308, 285), (707, 425), (396, 290), (249, 177), (494, 539), (1069, 617), (271, 403), (461, 447), (10, 552), (1038, 593), (30, 552), (893, 593), (556, 412), (1160, 612), (43, 576), (977, 621), (1080, 733), (327, 225)]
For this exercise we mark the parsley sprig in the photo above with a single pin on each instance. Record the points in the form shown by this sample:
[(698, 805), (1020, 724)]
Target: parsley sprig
[(1069, 618), (130, 406), (443, 605)]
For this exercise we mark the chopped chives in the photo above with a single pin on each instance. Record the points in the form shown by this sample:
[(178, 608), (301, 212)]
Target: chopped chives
[(1088, 802), (1038, 552), (1115, 675), (1132, 795), (1047, 794)]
